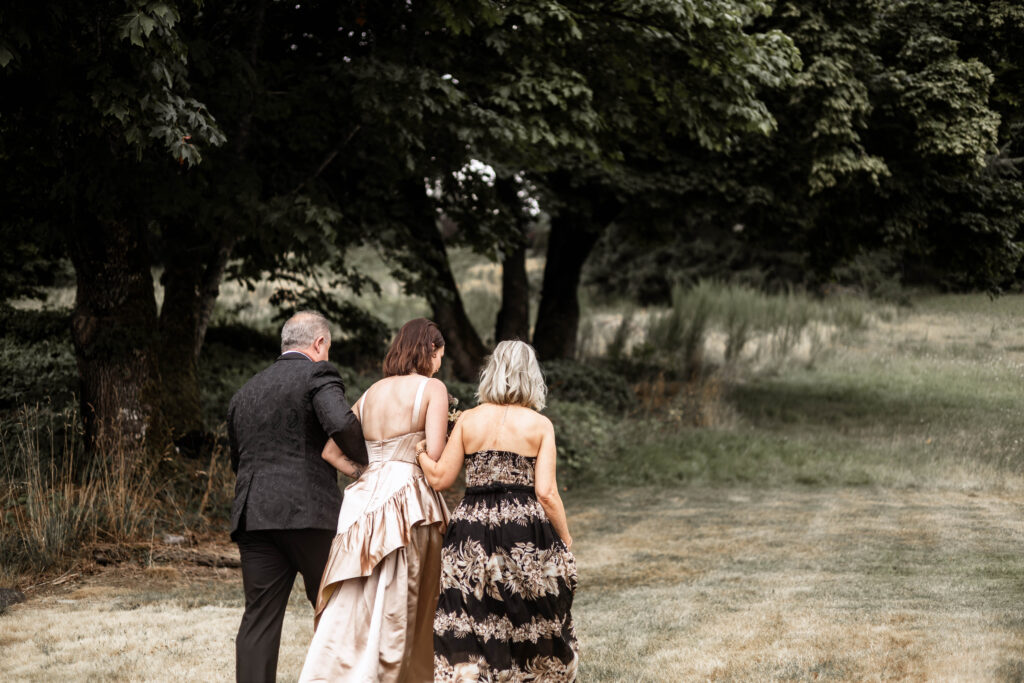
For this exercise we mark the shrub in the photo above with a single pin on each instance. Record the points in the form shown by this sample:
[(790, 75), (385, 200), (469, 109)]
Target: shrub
[(37, 360), (582, 382), (583, 432), (878, 274), (35, 325), (678, 336), (620, 338), (38, 372), (242, 338)]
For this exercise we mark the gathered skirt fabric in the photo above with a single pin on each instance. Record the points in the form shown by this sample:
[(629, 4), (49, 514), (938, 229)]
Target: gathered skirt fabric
[(378, 627), (379, 589), (507, 584)]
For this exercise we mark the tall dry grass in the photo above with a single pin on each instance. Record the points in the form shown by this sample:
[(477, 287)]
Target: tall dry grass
[(54, 499), (729, 324), (45, 509)]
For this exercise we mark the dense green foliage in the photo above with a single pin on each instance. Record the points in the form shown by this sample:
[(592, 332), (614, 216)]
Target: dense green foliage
[(851, 142), (571, 381), (895, 156)]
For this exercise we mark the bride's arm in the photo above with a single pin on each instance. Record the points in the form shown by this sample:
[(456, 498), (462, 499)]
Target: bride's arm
[(436, 424), (441, 474), (333, 455), (546, 486)]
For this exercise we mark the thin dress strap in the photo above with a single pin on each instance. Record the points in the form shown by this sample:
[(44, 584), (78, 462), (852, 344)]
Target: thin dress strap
[(419, 400), (362, 407)]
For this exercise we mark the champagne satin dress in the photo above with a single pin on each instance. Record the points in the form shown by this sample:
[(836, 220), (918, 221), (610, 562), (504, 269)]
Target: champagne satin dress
[(375, 608)]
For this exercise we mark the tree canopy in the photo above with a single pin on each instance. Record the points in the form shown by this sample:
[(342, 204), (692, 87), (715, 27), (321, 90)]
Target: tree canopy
[(232, 139), (895, 155)]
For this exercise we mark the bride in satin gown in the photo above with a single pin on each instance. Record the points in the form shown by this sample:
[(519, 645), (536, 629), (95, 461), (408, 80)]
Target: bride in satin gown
[(375, 608)]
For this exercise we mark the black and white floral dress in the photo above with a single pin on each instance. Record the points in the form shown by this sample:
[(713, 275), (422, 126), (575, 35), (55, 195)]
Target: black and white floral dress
[(507, 582)]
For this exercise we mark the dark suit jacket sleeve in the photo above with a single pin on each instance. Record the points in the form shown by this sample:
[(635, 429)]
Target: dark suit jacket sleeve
[(232, 439), (334, 412)]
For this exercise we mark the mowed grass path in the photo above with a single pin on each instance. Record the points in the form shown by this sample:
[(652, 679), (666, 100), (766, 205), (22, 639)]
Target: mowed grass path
[(701, 584), (844, 584), (861, 519)]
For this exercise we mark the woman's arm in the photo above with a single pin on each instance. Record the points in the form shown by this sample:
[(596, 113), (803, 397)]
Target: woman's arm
[(441, 474), (333, 455), (436, 424), (546, 486)]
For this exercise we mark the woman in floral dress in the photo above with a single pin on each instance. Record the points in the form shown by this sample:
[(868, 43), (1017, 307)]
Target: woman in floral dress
[(507, 575)]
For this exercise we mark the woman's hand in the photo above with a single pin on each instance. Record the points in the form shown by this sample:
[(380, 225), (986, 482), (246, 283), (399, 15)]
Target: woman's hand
[(568, 543), (421, 446)]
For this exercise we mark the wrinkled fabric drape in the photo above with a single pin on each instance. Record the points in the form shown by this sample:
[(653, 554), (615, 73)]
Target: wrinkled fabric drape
[(376, 602)]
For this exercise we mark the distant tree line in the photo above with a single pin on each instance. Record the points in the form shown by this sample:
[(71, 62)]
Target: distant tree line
[(236, 139)]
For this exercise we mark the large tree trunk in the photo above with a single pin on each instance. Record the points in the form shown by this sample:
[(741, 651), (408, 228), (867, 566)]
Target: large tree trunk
[(514, 315), (194, 267), (190, 291), (114, 329), (558, 314), (464, 351), (587, 211)]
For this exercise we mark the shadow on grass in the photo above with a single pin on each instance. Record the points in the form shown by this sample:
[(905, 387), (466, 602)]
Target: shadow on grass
[(844, 407), (732, 456)]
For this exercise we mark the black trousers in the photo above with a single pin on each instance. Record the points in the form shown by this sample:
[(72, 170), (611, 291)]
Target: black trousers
[(270, 560)]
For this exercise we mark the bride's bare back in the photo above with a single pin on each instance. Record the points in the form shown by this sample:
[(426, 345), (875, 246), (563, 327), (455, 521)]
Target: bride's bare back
[(389, 409)]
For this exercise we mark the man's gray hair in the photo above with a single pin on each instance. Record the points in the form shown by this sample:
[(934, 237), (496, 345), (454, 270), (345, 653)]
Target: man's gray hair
[(302, 329)]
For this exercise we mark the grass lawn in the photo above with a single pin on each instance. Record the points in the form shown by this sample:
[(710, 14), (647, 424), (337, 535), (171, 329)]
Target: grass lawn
[(859, 519)]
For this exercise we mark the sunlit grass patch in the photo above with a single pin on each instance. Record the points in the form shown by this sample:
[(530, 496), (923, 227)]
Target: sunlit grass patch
[(786, 584), (901, 404), (155, 624)]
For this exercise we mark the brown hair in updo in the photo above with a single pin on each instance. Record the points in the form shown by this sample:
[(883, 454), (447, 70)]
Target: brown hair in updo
[(412, 348)]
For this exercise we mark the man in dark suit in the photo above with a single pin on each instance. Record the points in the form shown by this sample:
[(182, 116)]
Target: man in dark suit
[(286, 496)]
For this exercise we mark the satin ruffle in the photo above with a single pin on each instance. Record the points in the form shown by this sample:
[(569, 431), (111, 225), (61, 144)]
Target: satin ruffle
[(361, 547)]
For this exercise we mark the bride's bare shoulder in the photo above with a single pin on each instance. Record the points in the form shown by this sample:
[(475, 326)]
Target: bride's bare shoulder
[(379, 383)]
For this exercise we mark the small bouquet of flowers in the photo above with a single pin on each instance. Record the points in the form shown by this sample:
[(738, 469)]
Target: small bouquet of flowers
[(453, 413)]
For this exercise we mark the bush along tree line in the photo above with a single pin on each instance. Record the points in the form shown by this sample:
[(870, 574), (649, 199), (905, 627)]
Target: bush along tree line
[(663, 141)]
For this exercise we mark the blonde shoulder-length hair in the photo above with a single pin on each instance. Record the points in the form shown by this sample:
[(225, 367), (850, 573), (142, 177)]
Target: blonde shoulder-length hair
[(511, 376)]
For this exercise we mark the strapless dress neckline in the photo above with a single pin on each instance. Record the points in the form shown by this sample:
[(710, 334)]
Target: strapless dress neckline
[(500, 451)]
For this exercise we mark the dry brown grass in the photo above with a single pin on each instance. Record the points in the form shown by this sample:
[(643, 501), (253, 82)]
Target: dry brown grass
[(846, 584), (699, 584), (157, 624), (912, 572)]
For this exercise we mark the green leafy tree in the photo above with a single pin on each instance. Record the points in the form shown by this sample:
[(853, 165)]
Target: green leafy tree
[(668, 79), (330, 120), (96, 106), (895, 157)]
